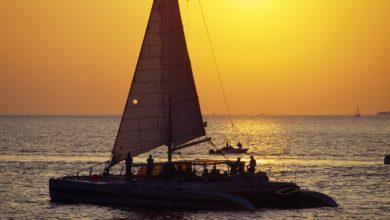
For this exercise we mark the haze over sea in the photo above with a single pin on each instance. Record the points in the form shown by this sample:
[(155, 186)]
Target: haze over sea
[(341, 156)]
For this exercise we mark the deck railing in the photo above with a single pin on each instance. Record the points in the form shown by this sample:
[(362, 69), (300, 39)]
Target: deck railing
[(197, 166)]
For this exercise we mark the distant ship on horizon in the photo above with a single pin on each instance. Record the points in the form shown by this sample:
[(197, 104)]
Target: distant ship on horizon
[(357, 112), (384, 113)]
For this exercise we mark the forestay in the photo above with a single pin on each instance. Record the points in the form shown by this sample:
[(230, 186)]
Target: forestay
[(162, 107)]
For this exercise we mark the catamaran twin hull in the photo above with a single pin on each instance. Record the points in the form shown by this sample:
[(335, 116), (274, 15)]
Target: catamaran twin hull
[(169, 195), (235, 195)]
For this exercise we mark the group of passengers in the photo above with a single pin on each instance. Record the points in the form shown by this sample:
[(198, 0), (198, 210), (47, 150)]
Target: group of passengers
[(214, 175), (181, 172), (185, 172), (169, 170), (129, 165)]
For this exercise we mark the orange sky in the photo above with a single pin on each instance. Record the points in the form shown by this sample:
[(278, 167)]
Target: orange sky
[(275, 56)]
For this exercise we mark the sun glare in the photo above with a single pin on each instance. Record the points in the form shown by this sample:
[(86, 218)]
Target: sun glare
[(247, 4)]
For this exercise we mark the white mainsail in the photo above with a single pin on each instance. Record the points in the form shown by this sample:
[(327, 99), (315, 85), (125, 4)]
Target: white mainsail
[(162, 107)]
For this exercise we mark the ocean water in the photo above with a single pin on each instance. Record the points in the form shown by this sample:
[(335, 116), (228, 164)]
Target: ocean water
[(341, 156)]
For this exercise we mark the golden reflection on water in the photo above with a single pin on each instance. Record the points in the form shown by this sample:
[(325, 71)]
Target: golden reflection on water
[(263, 136), (337, 155)]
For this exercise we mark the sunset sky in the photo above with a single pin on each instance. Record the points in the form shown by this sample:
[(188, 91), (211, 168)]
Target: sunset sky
[(275, 56)]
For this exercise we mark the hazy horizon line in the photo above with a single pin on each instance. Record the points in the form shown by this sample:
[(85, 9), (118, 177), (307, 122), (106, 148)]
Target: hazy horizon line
[(233, 115)]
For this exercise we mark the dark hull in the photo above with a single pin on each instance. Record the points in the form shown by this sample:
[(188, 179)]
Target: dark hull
[(194, 196), (283, 195), (387, 159), (297, 200), (232, 151), (143, 195)]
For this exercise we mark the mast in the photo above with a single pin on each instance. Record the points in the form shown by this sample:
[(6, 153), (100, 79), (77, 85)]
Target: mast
[(170, 138), (185, 118), (170, 152)]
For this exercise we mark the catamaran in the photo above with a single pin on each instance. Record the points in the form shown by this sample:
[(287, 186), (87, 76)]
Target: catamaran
[(162, 109)]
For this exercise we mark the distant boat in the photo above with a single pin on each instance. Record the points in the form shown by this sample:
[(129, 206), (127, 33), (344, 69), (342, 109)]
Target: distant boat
[(163, 109), (357, 112), (387, 159), (383, 113), (229, 150)]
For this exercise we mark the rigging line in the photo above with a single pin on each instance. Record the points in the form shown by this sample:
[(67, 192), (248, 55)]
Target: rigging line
[(216, 65)]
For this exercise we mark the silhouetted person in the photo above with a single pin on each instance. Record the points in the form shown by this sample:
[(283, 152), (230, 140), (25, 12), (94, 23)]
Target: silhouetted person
[(168, 171), (129, 165), (239, 145), (240, 166), (214, 173), (235, 166), (188, 172), (252, 165), (149, 167), (205, 174)]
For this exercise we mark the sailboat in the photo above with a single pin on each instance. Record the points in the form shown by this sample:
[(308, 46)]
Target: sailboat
[(357, 114), (162, 109)]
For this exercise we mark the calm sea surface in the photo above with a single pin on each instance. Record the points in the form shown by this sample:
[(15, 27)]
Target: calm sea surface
[(338, 155)]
